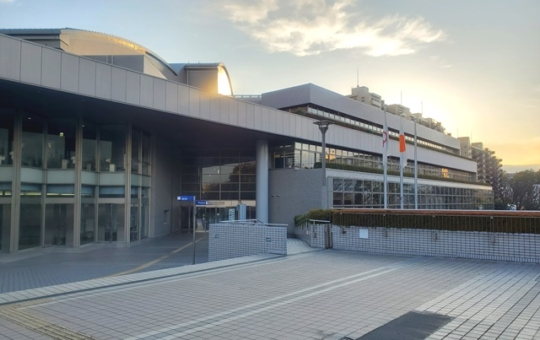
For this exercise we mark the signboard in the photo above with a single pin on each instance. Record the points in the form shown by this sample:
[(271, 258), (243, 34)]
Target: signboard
[(186, 198), (201, 202), (231, 214)]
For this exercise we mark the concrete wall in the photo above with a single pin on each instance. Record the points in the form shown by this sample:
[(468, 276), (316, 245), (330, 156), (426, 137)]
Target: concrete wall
[(229, 240), (293, 192), (465, 244), (312, 234), (163, 193)]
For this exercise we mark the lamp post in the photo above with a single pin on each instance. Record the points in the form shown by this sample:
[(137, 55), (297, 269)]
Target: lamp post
[(323, 126)]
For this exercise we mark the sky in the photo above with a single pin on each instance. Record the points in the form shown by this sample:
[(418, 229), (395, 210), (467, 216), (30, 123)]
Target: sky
[(473, 65)]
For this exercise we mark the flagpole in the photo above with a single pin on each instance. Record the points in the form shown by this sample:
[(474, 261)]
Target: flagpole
[(401, 161), (385, 160), (415, 169)]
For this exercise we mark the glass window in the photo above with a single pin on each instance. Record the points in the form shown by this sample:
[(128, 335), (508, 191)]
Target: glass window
[(89, 147), (58, 220), (146, 147), (61, 136), (60, 190), (112, 191), (32, 142), (112, 148), (338, 199), (338, 184), (135, 148), (87, 222), (110, 221), (6, 137), (348, 185)]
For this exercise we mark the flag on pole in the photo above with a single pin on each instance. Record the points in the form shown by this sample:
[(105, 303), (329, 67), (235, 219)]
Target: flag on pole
[(402, 145), (385, 141)]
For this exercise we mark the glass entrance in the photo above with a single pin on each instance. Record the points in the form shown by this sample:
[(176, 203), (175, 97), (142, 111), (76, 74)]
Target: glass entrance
[(110, 221)]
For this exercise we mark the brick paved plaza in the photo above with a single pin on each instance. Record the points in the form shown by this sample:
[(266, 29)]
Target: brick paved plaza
[(317, 295)]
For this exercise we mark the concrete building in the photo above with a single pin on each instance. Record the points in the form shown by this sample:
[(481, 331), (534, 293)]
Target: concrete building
[(362, 94), (489, 168), (99, 137)]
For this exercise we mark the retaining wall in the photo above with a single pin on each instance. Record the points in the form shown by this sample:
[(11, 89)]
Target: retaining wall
[(466, 244), (229, 240)]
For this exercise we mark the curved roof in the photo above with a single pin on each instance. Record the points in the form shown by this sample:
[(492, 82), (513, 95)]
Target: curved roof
[(126, 53), (87, 43)]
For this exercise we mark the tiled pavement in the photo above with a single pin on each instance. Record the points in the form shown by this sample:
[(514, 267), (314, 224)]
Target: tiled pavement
[(55, 265), (316, 295)]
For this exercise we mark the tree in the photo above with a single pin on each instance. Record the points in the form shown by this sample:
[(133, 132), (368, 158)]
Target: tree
[(504, 194), (526, 190)]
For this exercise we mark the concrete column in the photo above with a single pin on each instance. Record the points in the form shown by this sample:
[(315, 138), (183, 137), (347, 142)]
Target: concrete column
[(16, 185), (262, 180), (125, 236), (76, 232)]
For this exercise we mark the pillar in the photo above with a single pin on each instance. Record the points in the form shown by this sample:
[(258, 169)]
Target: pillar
[(262, 181)]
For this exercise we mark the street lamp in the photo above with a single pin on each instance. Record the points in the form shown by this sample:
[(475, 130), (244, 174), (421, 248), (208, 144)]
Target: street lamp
[(323, 126)]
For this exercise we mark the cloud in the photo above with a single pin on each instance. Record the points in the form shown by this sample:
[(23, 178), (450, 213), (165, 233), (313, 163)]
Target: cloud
[(7, 1), (310, 27)]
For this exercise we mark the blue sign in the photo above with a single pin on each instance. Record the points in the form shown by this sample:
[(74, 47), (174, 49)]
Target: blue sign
[(201, 202), (186, 198)]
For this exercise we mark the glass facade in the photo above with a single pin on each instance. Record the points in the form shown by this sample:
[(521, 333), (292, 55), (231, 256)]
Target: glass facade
[(43, 153), (351, 193), (219, 174), (308, 156)]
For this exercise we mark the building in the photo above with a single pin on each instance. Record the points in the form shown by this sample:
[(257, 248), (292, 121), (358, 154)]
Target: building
[(99, 137), (489, 168), (362, 94)]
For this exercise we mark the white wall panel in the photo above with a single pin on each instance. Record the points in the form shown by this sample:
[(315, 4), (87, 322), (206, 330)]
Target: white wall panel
[(30, 64), (250, 116), (133, 87), (10, 58), (147, 91), (183, 100), (60, 176), (291, 127), (88, 177), (70, 73), (304, 125), (204, 101), (264, 118), (214, 108), (104, 81), (297, 126), (242, 113), (279, 121), (112, 178), (233, 112), (224, 110), (285, 123), (30, 175), (171, 96), (194, 102), (119, 84), (160, 88), (6, 175), (258, 119), (87, 77), (51, 68)]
